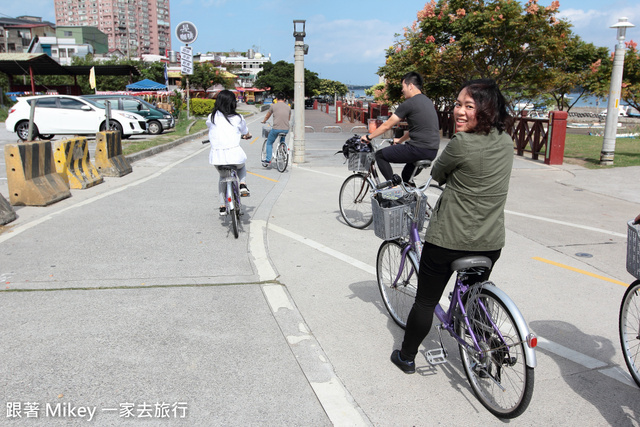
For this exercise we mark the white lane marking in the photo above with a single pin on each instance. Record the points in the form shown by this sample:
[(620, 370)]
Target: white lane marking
[(324, 249), (22, 228), (277, 297), (258, 249), (334, 397), (568, 224), (552, 347), (567, 353), (318, 172), (615, 372)]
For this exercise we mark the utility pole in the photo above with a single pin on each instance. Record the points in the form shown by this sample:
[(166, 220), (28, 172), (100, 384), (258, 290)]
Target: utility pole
[(298, 93)]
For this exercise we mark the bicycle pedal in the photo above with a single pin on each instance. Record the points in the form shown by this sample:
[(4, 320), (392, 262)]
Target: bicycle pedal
[(437, 356)]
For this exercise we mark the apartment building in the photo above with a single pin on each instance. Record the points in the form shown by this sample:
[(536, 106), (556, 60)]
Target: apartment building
[(133, 27), (16, 34)]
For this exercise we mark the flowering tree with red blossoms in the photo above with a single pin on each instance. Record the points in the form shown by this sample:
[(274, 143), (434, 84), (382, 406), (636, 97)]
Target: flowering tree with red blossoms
[(527, 50)]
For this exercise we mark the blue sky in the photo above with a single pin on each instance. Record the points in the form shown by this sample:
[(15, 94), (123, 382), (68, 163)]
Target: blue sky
[(346, 39)]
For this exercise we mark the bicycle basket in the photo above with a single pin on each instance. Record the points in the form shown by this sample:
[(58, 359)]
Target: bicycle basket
[(391, 217), (633, 249), (265, 131), (360, 162)]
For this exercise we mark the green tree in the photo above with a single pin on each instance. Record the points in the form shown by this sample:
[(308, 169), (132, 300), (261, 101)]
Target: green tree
[(630, 91), (279, 77), (456, 40), (631, 76), (330, 87), (205, 75)]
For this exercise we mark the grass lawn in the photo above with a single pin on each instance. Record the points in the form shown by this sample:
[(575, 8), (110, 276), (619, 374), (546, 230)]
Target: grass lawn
[(585, 150), (179, 131)]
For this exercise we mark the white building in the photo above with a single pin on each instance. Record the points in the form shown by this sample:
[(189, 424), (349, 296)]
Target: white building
[(61, 49)]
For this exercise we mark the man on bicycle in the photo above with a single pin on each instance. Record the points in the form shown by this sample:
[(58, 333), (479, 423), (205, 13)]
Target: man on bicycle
[(281, 113), (423, 138)]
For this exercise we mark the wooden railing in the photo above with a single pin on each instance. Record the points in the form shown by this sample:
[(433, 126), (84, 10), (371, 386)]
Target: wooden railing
[(529, 135)]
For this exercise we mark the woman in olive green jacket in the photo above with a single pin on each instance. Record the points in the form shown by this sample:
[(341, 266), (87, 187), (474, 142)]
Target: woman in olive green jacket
[(469, 216)]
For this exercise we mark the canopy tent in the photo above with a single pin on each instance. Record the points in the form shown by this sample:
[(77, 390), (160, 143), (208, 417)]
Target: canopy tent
[(146, 84)]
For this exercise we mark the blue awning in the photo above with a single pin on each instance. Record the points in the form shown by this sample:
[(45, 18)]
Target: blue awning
[(146, 84)]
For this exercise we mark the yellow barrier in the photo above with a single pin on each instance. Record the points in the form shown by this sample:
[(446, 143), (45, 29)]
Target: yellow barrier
[(109, 158), (32, 176), (7, 214), (73, 163)]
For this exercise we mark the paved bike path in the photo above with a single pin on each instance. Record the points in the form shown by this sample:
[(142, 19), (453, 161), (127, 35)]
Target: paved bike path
[(285, 326)]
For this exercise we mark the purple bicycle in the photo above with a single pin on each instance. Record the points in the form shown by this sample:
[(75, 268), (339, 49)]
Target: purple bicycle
[(495, 344)]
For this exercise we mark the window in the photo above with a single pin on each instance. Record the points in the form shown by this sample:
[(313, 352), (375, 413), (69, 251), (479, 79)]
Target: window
[(71, 104), (130, 104), (68, 33), (46, 103)]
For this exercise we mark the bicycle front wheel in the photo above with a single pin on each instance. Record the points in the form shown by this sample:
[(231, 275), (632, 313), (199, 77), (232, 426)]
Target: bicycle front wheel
[(498, 374), (397, 280), (630, 329), (355, 204), (282, 157)]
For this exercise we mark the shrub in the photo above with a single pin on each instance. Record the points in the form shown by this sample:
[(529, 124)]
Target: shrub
[(201, 107)]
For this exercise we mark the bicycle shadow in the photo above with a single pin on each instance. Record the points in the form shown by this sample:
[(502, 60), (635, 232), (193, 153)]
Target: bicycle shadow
[(245, 219), (367, 292), (623, 409)]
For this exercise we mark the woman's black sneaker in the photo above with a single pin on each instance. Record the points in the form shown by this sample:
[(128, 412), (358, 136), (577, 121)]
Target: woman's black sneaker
[(406, 366)]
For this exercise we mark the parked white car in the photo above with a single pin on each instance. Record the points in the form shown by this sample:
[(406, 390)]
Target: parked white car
[(69, 115)]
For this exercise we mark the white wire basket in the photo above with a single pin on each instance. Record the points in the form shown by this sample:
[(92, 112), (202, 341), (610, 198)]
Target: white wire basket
[(394, 222), (360, 162)]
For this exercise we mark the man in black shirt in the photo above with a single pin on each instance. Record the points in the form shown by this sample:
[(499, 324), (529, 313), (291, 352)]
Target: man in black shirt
[(423, 138)]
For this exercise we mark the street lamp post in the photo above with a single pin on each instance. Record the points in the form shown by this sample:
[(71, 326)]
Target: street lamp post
[(610, 127), (298, 91)]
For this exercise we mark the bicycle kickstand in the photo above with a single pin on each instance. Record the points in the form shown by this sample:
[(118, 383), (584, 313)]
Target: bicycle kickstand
[(438, 356)]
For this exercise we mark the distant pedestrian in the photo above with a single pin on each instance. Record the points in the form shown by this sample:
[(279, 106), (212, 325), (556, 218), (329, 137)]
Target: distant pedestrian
[(281, 113)]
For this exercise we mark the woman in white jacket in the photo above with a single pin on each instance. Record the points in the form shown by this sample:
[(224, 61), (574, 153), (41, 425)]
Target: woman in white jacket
[(226, 128)]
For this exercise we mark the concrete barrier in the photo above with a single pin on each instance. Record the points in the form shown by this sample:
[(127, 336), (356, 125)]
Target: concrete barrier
[(32, 176), (109, 158), (73, 163), (7, 214)]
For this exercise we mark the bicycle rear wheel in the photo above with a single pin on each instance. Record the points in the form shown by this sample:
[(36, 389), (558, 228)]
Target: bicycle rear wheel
[(282, 157), (499, 375), (630, 329), (235, 212), (397, 282), (355, 204)]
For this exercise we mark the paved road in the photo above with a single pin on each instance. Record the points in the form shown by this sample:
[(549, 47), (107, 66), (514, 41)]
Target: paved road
[(140, 294)]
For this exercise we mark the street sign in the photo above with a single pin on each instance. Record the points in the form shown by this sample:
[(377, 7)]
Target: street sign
[(186, 32), (186, 60)]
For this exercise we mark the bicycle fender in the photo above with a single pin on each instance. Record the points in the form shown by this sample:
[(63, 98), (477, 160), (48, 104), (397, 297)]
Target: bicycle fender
[(530, 353), (230, 196)]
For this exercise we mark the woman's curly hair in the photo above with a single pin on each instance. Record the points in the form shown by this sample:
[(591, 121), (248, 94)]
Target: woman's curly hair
[(491, 107)]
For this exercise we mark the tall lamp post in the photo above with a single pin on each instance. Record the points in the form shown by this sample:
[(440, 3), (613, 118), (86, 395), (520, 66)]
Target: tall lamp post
[(610, 127), (298, 90)]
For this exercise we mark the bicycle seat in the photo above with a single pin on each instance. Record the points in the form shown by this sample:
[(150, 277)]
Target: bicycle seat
[(226, 167), (422, 163), (473, 261)]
